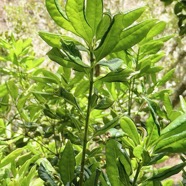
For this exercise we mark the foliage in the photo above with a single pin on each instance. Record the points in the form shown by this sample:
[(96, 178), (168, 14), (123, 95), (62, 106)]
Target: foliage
[(103, 117), (179, 11)]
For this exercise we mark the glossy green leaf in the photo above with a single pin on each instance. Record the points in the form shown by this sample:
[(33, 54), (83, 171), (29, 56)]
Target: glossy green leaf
[(67, 164), (168, 172), (81, 89), (45, 175), (53, 40), (110, 124), (58, 15), (130, 129), (113, 36), (76, 15), (94, 13), (111, 163), (175, 126), (13, 89), (113, 64), (104, 103), (133, 35), (103, 26), (118, 76), (157, 29)]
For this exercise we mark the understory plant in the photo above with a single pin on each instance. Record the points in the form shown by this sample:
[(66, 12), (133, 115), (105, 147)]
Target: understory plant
[(103, 118)]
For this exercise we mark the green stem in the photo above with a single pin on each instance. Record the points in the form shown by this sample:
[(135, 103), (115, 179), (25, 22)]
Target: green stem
[(137, 174), (87, 120)]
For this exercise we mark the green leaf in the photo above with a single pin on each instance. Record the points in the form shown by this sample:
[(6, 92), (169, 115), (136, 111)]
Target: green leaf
[(166, 78), (103, 26), (157, 29), (3, 90), (56, 55), (130, 129), (93, 179), (168, 172), (133, 35), (67, 164), (183, 103), (152, 131), (44, 175), (105, 103), (120, 21), (118, 76), (110, 124), (76, 15), (44, 80), (2, 127), (113, 64), (11, 157), (12, 88), (94, 13), (111, 162), (68, 97), (58, 15)]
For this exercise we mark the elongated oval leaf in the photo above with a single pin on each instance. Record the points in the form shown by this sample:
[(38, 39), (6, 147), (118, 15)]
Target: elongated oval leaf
[(133, 35), (94, 13), (120, 21), (103, 26), (58, 15), (130, 129), (111, 162), (76, 15), (67, 164), (168, 172)]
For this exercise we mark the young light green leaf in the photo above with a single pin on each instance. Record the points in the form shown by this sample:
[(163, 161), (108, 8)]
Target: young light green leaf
[(3, 90), (58, 15), (130, 129), (13, 89), (67, 164), (11, 157), (183, 103), (44, 80), (103, 26), (76, 15), (112, 38), (157, 29), (113, 64), (166, 78), (168, 172), (111, 162), (94, 13), (133, 35)]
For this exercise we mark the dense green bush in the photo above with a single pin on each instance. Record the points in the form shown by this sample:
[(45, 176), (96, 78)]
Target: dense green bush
[(103, 118)]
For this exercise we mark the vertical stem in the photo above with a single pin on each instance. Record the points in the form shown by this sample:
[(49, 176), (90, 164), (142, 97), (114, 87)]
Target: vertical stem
[(91, 83), (137, 173)]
